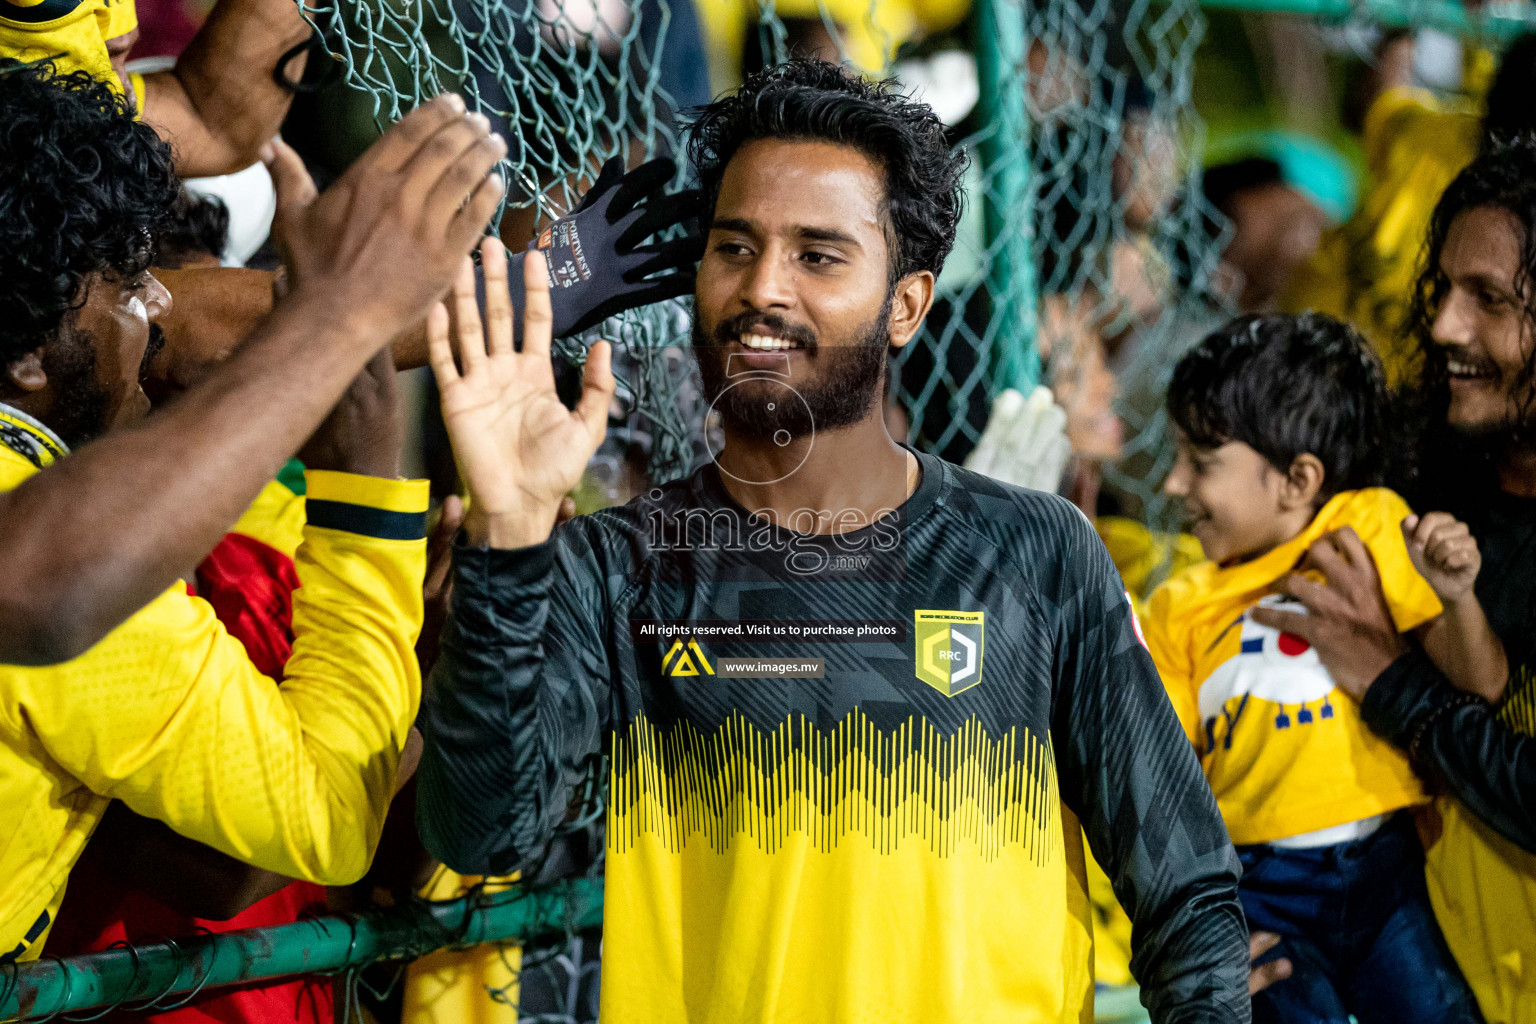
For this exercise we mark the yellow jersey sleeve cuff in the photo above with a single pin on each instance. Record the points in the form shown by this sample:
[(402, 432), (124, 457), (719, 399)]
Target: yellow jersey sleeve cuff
[(367, 505)]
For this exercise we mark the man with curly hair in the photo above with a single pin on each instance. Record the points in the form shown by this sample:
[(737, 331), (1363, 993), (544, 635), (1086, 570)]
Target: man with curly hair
[(855, 700), (168, 713), (1473, 321), (76, 240), (148, 502)]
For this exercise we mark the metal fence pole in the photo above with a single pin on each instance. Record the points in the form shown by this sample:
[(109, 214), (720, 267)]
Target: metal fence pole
[(1006, 199), (158, 972)]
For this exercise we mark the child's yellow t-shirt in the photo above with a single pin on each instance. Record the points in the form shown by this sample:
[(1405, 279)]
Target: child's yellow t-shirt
[(1284, 750)]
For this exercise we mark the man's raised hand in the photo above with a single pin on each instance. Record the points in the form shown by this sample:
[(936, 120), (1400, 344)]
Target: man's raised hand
[(383, 243), (518, 448)]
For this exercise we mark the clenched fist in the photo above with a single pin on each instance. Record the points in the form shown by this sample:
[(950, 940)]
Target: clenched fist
[(1444, 552)]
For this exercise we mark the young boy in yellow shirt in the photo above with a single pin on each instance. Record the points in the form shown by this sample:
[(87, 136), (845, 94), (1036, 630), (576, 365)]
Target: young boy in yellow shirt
[(1282, 429)]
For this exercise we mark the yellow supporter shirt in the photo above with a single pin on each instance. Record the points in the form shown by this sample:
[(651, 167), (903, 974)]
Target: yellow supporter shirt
[(72, 33), (868, 34), (276, 517), (168, 714), (478, 985), (1483, 889), (1285, 751), (1144, 557)]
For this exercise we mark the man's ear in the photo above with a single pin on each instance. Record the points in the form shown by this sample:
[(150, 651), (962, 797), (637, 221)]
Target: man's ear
[(1304, 481), (26, 374), (910, 304)]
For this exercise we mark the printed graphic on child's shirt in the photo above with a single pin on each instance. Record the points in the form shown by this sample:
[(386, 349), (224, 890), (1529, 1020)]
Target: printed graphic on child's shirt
[(1276, 677)]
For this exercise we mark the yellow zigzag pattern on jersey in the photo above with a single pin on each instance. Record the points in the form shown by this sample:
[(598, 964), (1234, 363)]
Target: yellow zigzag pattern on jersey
[(913, 785), (1519, 711)]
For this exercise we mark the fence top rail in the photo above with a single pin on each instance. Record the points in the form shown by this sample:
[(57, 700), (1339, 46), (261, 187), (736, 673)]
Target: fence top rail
[(161, 975)]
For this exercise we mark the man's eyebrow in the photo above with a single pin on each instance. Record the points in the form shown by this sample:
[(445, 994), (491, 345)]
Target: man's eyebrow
[(1486, 281), (738, 224), (805, 231), (816, 234)]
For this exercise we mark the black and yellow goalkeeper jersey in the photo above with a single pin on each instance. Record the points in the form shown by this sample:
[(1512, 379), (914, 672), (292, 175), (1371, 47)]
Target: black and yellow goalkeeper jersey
[(845, 771)]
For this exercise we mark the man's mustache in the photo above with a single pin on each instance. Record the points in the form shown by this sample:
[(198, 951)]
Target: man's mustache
[(152, 349), (1467, 357)]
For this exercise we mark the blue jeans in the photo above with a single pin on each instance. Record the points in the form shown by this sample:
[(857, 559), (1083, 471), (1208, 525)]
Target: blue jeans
[(1355, 922)]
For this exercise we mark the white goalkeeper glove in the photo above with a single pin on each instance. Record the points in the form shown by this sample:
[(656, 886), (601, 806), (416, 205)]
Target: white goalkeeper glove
[(1025, 442)]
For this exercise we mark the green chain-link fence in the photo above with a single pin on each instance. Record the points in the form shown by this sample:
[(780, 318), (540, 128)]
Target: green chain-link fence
[(164, 975)]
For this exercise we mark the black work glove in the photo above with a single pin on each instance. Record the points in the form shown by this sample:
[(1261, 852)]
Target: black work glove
[(597, 266)]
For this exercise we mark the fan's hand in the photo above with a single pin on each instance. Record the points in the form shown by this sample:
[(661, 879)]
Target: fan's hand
[(518, 449), (1025, 441), (424, 188), (1261, 976)]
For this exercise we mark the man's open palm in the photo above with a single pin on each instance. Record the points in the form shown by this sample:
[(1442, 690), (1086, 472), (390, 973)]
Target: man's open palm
[(518, 448)]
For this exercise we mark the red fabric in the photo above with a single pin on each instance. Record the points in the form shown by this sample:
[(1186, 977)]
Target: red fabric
[(167, 26), (250, 586), (97, 912)]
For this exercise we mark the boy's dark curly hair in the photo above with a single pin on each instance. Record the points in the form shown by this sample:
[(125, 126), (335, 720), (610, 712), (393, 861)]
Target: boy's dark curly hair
[(84, 188), (1284, 385), (817, 101)]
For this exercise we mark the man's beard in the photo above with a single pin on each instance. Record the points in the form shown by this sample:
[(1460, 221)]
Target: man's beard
[(79, 411), (841, 392)]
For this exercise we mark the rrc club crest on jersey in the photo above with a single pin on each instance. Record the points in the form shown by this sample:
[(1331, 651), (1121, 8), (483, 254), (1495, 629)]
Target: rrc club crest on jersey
[(949, 648)]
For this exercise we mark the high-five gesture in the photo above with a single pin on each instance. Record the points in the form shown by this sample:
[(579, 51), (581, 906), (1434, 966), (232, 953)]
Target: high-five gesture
[(424, 188), (518, 448)]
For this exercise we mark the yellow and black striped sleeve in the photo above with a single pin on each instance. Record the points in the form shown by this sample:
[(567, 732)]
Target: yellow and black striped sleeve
[(169, 715)]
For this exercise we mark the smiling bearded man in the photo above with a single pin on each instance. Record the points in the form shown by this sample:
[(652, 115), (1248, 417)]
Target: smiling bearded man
[(1474, 318), (855, 699), (852, 375)]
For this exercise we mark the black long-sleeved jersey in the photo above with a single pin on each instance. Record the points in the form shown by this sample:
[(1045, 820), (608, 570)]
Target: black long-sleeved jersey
[(846, 771), (1482, 863)]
